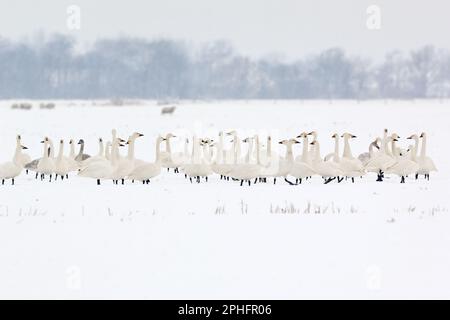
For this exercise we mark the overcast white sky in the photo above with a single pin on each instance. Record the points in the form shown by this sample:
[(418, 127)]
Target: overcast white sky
[(289, 28)]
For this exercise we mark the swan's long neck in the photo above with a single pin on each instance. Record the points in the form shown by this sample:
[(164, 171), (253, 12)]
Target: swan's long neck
[(61, 151), (131, 149), (17, 153), (347, 149), (45, 150), (305, 152), (219, 157), (114, 152), (423, 151), (158, 150), (101, 148), (81, 149), (317, 151), (269, 147), (72, 150), (168, 147), (336, 157), (52, 149), (258, 148), (186, 148), (108, 151), (249, 151), (414, 154)]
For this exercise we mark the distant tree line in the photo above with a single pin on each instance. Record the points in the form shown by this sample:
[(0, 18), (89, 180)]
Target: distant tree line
[(165, 69)]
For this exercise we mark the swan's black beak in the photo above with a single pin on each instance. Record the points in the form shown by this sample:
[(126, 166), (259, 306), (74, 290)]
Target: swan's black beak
[(396, 140), (122, 141), (353, 136), (42, 141), (295, 141), (281, 142), (140, 135), (24, 148), (310, 133), (409, 138), (421, 136), (312, 143), (121, 145), (128, 142)]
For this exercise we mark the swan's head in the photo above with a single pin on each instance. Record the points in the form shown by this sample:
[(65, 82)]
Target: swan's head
[(283, 142), (385, 131), (170, 135), (61, 141), (312, 133), (100, 140), (137, 135), (335, 136), (423, 135), (232, 133), (46, 139), (81, 141), (18, 138), (348, 136), (24, 148), (302, 135), (410, 148), (413, 136), (314, 143), (375, 143), (395, 136), (293, 141), (394, 139)]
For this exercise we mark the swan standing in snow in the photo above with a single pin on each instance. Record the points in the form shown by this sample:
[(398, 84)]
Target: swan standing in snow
[(46, 165), (198, 166), (426, 164), (220, 166), (285, 164), (351, 167), (302, 166), (166, 156), (10, 170), (245, 172), (145, 172), (62, 165), (328, 170), (126, 165)]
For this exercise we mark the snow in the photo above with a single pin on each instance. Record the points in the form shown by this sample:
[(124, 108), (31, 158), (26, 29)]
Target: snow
[(173, 239)]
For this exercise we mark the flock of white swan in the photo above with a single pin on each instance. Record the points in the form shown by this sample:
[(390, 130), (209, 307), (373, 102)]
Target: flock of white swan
[(203, 157)]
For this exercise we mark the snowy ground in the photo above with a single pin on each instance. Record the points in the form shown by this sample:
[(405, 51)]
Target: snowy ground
[(171, 239)]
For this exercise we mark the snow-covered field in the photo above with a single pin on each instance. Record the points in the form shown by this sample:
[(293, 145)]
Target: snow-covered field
[(171, 239)]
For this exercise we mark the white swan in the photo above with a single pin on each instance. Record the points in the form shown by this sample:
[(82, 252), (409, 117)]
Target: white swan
[(10, 170), (426, 164), (46, 164), (81, 155), (284, 165), (220, 166), (328, 170), (382, 160), (245, 172), (197, 167), (302, 166), (145, 172), (166, 156), (100, 170), (126, 165), (351, 167), (62, 165)]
